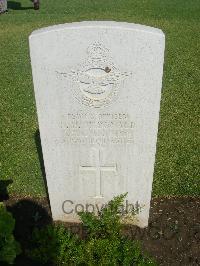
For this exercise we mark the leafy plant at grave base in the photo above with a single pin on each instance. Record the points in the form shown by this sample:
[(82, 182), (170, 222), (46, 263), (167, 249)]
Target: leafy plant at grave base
[(54, 244), (104, 243), (9, 248)]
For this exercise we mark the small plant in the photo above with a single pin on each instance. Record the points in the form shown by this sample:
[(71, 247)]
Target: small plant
[(9, 248), (104, 243), (54, 244)]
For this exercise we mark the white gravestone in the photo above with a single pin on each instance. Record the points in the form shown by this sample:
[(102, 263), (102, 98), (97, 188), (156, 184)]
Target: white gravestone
[(3, 6), (98, 88)]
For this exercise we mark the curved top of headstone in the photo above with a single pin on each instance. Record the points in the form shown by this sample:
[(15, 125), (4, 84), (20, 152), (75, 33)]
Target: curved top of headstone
[(90, 24)]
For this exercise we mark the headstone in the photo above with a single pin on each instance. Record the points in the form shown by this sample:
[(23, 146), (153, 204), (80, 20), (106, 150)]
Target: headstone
[(98, 88), (3, 6)]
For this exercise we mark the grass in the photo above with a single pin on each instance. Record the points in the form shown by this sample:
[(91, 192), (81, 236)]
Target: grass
[(176, 168)]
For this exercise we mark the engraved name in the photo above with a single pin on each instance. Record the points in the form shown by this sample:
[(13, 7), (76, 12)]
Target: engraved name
[(101, 129)]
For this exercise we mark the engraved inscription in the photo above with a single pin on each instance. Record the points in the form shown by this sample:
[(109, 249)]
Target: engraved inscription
[(97, 79), (99, 129), (98, 168)]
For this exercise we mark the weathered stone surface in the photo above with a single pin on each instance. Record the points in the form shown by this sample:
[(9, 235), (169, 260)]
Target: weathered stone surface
[(98, 88)]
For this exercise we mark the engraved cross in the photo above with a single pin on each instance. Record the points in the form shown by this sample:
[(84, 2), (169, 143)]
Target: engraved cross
[(98, 168)]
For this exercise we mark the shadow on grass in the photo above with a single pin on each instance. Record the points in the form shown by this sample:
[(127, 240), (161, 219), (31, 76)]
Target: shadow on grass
[(17, 6), (40, 157), (3, 189)]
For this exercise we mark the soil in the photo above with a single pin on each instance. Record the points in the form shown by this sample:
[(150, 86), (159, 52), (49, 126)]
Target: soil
[(172, 237)]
